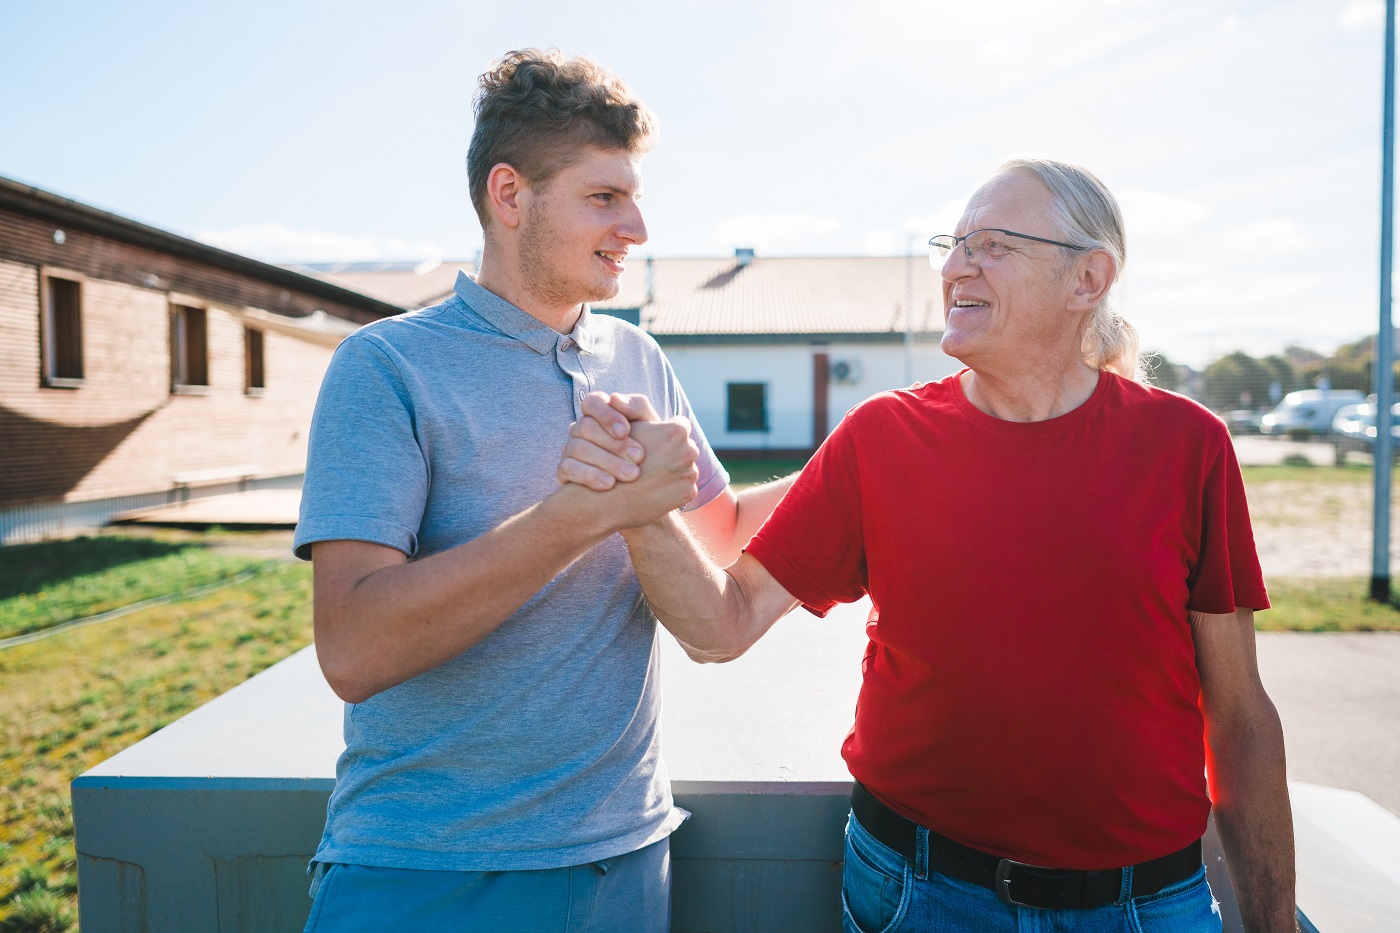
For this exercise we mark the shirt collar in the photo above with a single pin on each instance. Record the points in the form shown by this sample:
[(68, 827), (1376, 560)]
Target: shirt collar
[(513, 322)]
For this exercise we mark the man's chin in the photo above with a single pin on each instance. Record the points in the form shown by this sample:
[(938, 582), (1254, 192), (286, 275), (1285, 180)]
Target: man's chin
[(604, 291)]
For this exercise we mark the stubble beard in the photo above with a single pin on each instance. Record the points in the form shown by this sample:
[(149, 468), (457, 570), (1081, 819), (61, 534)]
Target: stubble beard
[(543, 275)]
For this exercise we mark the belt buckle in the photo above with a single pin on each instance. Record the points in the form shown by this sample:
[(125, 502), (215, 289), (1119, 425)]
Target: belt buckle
[(1003, 881)]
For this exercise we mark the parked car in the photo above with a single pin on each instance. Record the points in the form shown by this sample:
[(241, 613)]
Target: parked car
[(1354, 428), (1243, 421), (1308, 412)]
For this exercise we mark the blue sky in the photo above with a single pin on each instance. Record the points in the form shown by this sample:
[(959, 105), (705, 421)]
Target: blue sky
[(1243, 138)]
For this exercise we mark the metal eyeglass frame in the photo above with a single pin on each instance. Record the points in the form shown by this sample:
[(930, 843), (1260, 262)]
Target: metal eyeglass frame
[(936, 246)]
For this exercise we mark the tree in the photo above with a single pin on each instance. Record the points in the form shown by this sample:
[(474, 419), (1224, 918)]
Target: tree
[(1282, 374), (1237, 381)]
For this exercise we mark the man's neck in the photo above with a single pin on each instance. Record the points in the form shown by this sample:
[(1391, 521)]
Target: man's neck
[(503, 280), (1031, 393)]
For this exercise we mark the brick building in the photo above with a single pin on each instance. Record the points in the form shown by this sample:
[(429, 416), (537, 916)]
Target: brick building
[(136, 365)]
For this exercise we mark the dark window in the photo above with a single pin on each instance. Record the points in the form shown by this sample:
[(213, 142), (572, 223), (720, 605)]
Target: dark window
[(253, 359), (748, 406), (189, 347), (62, 330)]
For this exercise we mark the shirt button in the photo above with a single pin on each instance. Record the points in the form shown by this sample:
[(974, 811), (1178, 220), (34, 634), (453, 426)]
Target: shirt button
[(568, 344), (581, 394)]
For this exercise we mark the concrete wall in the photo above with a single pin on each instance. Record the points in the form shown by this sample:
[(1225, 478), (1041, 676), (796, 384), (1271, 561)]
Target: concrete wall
[(208, 824)]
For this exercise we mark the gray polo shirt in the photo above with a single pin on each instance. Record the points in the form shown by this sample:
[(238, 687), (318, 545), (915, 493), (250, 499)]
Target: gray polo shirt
[(540, 746)]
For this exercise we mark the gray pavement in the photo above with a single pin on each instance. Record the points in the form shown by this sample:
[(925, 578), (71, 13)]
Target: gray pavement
[(1339, 698), (1257, 450)]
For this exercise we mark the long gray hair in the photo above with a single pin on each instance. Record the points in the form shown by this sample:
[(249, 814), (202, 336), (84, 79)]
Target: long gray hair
[(1086, 214)]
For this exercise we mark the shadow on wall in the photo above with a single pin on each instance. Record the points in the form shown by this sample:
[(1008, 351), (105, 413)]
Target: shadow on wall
[(43, 460)]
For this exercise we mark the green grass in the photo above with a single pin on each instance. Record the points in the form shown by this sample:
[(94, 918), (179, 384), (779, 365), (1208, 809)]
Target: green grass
[(1304, 472), (75, 699), (745, 473), (47, 584), (1327, 604)]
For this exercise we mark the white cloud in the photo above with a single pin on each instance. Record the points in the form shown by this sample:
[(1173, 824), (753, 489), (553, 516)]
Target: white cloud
[(765, 232), (941, 219), (1153, 214), (1362, 14), (1264, 237), (279, 243), (996, 50), (882, 243)]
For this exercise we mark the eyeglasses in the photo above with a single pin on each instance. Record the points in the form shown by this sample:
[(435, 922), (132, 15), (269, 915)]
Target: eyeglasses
[(990, 242)]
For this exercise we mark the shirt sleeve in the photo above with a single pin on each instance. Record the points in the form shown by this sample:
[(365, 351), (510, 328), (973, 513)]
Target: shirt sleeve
[(366, 475), (1227, 575), (813, 544)]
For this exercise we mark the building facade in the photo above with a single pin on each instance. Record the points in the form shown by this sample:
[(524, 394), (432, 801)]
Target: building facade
[(136, 363), (772, 352)]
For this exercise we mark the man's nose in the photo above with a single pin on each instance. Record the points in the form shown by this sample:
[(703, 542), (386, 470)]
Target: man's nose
[(632, 227), (957, 265)]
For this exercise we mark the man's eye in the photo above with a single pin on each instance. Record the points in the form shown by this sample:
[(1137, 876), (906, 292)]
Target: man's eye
[(604, 196)]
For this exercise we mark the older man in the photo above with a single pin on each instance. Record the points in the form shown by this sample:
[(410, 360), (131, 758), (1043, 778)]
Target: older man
[(1061, 680)]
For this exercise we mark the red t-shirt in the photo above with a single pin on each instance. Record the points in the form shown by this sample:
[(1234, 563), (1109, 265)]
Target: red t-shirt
[(1030, 686)]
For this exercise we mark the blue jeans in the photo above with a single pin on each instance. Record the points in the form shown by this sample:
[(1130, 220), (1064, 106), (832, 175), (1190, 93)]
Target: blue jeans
[(880, 893), (627, 894)]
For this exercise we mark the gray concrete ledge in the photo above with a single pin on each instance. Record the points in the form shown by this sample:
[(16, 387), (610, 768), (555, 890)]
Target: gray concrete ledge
[(208, 824)]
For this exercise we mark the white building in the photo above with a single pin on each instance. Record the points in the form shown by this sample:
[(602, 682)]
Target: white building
[(772, 352)]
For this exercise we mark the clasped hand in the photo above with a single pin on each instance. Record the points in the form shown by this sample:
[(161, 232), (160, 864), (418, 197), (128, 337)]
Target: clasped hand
[(622, 448)]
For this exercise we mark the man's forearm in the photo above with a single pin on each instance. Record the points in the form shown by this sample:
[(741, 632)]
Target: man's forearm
[(755, 505), (1250, 790), (726, 523), (399, 620), (697, 602)]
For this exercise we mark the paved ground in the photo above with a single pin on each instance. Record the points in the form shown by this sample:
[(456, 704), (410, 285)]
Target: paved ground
[(1339, 699), (261, 508), (1268, 451)]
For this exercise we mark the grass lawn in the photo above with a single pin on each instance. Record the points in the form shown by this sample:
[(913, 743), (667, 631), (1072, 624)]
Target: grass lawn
[(1327, 604), (46, 584), (72, 700), (744, 473), (1307, 474)]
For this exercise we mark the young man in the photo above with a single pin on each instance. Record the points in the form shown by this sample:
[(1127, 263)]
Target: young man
[(502, 766)]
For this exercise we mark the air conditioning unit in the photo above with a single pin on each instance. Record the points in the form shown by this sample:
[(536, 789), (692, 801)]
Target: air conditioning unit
[(845, 372)]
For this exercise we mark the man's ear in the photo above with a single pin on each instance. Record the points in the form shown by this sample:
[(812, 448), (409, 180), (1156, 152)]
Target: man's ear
[(504, 186), (1093, 277)]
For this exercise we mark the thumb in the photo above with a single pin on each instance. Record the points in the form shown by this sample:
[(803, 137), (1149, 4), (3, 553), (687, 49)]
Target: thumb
[(636, 407)]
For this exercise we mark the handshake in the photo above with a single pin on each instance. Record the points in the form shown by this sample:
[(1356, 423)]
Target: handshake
[(638, 467)]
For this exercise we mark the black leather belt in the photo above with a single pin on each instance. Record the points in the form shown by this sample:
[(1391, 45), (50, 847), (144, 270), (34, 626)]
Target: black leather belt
[(1017, 883)]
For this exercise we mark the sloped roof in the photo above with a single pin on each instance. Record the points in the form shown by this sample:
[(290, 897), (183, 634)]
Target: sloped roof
[(782, 295), (718, 297), (36, 202), (408, 285)]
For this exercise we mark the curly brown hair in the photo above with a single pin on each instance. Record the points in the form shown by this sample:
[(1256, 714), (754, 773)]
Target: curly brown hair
[(535, 108)]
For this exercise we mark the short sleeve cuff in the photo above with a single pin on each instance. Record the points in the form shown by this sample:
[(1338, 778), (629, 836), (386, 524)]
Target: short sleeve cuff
[(708, 490), (352, 528), (789, 579), (1253, 598)]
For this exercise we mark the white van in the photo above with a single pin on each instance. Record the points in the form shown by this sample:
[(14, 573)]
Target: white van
[(1308, 412)]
